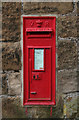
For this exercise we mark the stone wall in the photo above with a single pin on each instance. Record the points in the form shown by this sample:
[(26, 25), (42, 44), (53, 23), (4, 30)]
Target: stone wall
[(67, 61)]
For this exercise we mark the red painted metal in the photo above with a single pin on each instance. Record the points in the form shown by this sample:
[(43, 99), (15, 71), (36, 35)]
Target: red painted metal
[(39, 85)]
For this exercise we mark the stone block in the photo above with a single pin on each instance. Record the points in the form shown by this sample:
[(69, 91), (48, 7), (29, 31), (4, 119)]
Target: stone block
[(0, 108), (0, 83), (11, 56), (11, 108), (70, 102), (14, 83), (67, 54), (47, 7), (67, 81), (78, 8), (11, 21), (0, 57), (78, 26), (67, 26), (4, 84), (10, 9), (78, 80)]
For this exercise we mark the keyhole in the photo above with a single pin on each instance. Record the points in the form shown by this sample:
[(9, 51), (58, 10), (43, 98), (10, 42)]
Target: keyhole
[(34, 76), (37, 76)]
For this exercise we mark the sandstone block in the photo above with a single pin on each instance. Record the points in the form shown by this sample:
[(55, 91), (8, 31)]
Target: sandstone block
[(4, 84), (70, 101), (11, 108), (78, 80), (67, 81), (11, 21), (14, 83), (11, 56), (47, 7), (0, 83), (67, 26), (0, 57), (67, 54), (78, 8), (78, 25), (0, 108)]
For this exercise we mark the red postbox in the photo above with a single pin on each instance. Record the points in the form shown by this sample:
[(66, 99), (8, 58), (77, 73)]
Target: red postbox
[(39, 63)]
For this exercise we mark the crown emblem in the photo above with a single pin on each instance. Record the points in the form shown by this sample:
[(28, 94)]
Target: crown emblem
[(39, 23)]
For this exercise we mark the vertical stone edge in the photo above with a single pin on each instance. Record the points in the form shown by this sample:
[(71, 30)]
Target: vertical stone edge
[(78, 57), (1, 59), (21, 43)]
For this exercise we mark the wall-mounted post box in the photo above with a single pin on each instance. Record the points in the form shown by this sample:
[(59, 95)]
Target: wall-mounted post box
[(39, 44)]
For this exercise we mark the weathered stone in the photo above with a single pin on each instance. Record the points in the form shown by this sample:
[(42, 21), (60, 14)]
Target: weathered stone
[(67, 81), (39, 112), (4, 84), (47, 7), (0, 57), (78, 8), (78, 106), (78, 80), (0, 83), (11, 56), (70, 102), (11, 9), (0, 108), (67, 26), (67, 54), (78, 26), (11, 108), (11, 21), (14, 83)]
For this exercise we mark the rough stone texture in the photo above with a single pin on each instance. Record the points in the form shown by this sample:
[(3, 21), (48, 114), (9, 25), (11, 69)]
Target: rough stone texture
[(11, 21), (67, 26), (47, 7), (78, 26), (11, 56), (78, 56), (44, 112), (0, 83), (11, 108), (78, 7), (14, 82), (67, 55), (39, 112), (4, 84), (0, 108), (78, 80), (67, 81), (0, 57), (70, 102), (78, 106)]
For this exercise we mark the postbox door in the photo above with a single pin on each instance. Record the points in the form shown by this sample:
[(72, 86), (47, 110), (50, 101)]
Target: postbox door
[(40, 76)]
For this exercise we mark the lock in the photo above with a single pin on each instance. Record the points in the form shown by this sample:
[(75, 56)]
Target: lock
[(34, 77), (37, 76)]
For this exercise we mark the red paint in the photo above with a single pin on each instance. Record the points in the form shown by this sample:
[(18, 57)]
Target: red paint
[(39, 85), (51, 111), (26, 111)]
